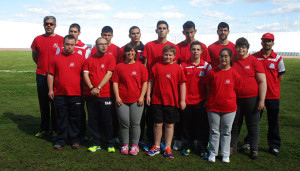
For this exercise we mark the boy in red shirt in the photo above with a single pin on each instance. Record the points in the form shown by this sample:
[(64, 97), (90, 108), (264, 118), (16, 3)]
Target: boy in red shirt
[(166, 80), (64, 80), (194, 117)]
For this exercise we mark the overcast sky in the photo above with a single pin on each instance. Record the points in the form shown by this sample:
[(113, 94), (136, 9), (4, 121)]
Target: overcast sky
[(21, 20)]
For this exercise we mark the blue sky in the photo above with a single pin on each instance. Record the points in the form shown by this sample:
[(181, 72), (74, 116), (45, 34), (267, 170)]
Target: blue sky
[(243, 16)]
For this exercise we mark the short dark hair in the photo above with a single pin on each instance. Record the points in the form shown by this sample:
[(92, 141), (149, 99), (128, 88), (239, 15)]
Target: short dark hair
[(133, 27), (107, 29), (188, 24), (195, 43), (240, 42), (223, 25), (75, 25), (162, 22), (69, 37), (128, 48), (50, 17), (169, 48)]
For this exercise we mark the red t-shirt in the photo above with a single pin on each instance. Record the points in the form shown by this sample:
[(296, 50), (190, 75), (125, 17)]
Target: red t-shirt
[(214, 51), (46, 47), (166, 80), (112, 49), (97, 67), (185, 52), (247, 68), (154, 52), (67, 72), (273, 65), (195, 81), (222, 95), (130, 78)]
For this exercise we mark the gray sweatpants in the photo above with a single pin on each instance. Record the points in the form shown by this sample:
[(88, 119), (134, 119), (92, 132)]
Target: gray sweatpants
[(130, 115), (220, 130)]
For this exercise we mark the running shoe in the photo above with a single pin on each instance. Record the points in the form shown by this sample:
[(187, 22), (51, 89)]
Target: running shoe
[(204, 155), (134, 150), (124, 149), (154, 150), (40, 134), (94, 148), (111, 149), (75, 146), (57, 147), (168, 153), (185, 151), (245, 147)]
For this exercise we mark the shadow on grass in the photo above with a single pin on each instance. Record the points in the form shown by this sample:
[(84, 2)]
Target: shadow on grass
[(26, 123)]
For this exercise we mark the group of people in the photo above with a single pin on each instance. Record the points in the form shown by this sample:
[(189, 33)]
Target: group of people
[(193, 92)]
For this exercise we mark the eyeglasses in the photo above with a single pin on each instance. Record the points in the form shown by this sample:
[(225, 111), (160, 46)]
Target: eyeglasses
[(46, 24), (101, 44)]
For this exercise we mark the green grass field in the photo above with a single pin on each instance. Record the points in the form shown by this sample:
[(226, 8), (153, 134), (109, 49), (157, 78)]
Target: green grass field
[(19, 121)]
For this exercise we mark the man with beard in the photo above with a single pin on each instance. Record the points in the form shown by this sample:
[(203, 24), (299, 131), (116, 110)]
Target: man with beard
[(215, 48)]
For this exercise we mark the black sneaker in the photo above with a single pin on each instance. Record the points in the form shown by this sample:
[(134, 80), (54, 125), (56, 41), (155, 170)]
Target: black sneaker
[(274, 151), (254, 155)]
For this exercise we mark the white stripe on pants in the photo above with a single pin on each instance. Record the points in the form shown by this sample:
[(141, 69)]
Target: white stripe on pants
[(220, 123)]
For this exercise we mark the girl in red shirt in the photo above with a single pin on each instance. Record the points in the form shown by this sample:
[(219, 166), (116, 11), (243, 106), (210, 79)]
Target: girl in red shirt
[(221, 105), (129, 85)]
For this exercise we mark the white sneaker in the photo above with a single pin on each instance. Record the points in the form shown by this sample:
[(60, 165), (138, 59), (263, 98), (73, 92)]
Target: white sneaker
[(225, 159), (177, 145), (212, 158)]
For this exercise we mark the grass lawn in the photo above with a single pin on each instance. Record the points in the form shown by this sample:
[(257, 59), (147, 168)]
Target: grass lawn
[(20, 117)]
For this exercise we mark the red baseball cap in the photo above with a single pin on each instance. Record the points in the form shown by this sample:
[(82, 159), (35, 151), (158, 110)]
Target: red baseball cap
[(268, 36)]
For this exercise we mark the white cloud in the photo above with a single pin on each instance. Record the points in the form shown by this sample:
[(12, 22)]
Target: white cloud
[(167, 15), (216, 14), (169, 7), (129, 15), (274, 27), (286, 9), (37, 10), (283, 2), (21, 15), (203, 3)]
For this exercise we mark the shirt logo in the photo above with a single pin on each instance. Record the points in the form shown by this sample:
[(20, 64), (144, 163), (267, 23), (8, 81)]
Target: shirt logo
[(188, 73), (72, 64), (55, 45), (227, 81), (133, 73), (272, 66), (107, 103), (202, 74), (110, 53), (80, 52), (102, 66), (247, 67), (168, 76)]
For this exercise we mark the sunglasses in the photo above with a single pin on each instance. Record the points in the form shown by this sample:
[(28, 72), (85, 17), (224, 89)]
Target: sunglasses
[(46, 24)]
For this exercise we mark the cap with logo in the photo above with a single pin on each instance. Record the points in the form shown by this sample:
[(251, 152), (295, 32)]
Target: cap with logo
[(268, 36)]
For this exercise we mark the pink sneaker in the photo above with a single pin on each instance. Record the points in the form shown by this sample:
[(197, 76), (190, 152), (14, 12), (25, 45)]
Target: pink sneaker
[(124, 149), (134, 150)]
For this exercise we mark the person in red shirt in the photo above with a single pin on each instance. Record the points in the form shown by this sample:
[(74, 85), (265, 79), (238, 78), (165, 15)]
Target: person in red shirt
[(194, 117), (97, 71), (85, 51), (44, 48), (222, 81), (223, 42), (112, 49), (274, 68), (166, 81), (64, 78), (153, 51), (130, 85), (135, 36), (189, 32), (250, 97)]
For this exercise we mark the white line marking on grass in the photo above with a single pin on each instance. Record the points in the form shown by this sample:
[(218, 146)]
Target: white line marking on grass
[(14, 71)]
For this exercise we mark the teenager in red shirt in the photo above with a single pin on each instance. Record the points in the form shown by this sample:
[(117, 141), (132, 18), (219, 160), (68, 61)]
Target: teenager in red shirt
[(44, 48), (194, 117), (223, 42), (166, 81), (274, 68), (64, 78), (130, 85), (221, 105), (250, 97), (98, 70), (189, 32), (112, 49)]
